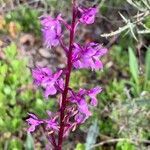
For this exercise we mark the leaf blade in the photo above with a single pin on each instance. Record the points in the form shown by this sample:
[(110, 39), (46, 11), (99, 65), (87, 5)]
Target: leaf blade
[(147, 64), (133, 65)]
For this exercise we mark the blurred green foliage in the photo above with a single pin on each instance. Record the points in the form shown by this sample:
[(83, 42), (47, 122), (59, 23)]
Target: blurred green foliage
[(125, 145), (147, 22), (27, 18), (80, 146), (17, 98)]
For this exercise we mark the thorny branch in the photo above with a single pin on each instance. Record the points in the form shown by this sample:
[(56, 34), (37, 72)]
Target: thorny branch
[(132, 26), (120, 140)]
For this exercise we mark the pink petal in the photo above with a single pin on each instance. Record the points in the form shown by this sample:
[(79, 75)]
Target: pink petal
[(50, 90)]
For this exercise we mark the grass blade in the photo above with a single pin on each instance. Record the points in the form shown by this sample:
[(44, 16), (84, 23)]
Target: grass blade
[(147, 64), (133, 65)]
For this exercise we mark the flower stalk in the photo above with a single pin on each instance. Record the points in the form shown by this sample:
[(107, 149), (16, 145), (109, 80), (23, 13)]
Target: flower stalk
[(69, 68)]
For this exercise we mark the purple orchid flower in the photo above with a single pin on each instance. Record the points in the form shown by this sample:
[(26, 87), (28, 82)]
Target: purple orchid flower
[(88, 15), (88, 56), (50, 84), (51, 29), (74, 107), (39, 74), (44, 77), (33, 122), (93, 93), (82, 106), (52, 123)]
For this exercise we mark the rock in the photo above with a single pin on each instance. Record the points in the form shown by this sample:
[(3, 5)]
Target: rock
[(27, 39), (42, 63), (1, 43), (44, 53)]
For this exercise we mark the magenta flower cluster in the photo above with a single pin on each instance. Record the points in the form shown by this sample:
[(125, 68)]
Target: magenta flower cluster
[(45, 78), (74, 106)]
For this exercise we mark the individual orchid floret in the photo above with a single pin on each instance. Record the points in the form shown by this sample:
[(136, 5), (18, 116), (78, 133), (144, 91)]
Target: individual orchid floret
[(50, 84), (88, 15), (52, 123), (39, 74), (45, 78), (88, 56), (93, 93), (51, 30), (80, 118), (82, 106), (33, 122)]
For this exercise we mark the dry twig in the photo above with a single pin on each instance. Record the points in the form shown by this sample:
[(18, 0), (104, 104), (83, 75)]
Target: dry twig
[(112, 141)]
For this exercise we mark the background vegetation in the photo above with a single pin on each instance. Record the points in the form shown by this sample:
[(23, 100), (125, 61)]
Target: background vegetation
[(121, 120)]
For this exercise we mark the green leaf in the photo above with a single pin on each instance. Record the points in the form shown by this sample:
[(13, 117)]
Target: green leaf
[(16, 65), (11, 51), (147, 63), (12, 101), (80, 146), (7, 90), (133, 65), (3, 69), (2, 97), (15, 123), (92, 135), (29, 145), (15, 144), (125, 145)]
